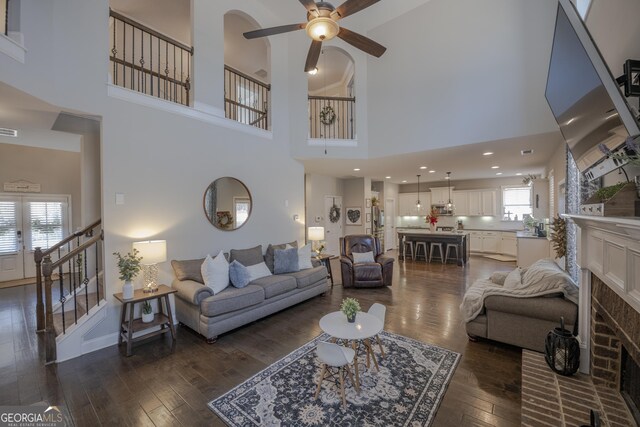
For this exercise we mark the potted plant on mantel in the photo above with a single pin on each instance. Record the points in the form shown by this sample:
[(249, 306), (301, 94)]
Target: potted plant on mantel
[(129, 266)]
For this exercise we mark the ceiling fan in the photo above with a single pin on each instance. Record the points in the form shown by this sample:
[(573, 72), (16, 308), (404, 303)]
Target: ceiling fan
[(322, 25)]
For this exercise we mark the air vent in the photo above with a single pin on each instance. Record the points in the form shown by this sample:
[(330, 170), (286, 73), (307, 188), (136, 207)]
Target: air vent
[(8, 132), (261, 73), (526, 152)]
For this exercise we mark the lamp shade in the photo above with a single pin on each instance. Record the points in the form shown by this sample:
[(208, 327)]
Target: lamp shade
[(316, 233), (152, 251), (322, 29)]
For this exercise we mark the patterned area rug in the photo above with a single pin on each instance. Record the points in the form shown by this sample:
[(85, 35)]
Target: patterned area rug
[(407, 390)]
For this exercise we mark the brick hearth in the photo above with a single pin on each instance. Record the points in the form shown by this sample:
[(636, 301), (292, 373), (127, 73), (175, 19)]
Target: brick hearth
[(549, 399)]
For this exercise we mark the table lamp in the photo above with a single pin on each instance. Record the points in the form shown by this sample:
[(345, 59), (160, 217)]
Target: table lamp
[(152, 252), (316, 234)]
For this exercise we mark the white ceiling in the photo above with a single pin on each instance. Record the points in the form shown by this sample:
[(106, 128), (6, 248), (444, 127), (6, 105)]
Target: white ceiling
[(464, 162)]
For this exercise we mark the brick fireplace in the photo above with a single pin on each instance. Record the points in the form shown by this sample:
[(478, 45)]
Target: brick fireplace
[(614, 338)]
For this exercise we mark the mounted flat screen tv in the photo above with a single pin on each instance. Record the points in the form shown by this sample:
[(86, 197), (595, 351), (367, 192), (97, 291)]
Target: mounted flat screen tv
[(583, 95)]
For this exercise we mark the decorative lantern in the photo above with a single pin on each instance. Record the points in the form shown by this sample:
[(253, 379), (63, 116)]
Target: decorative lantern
[(562, 351)]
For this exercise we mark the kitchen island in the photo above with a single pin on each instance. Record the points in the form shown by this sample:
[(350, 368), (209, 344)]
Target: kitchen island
[(460, 238)]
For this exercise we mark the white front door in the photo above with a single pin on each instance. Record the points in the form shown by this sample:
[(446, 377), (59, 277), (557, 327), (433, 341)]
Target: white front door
[(28, 222), (332, 230), (11, 246), (389, 224)]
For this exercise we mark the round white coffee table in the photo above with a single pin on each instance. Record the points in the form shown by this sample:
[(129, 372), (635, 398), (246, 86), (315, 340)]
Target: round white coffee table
[(365, 327)]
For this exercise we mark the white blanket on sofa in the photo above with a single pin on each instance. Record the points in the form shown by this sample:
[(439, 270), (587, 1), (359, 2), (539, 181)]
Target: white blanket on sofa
[(543, 278)]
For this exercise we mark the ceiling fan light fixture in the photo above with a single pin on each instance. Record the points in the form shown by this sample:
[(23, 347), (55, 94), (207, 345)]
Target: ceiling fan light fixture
[(322, 29), (313, 72)]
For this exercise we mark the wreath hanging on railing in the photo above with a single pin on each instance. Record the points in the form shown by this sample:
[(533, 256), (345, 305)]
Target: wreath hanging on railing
[(327, 115), (334, 214)]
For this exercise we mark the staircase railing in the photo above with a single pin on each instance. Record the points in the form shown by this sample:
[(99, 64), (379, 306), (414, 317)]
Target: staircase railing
[(332, 117), (246, 100), (147, 61), (4, 16), (75, 257)]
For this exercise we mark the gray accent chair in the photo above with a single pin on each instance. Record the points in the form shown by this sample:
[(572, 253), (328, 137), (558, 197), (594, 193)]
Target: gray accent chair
[(364, 275), (211, 315)]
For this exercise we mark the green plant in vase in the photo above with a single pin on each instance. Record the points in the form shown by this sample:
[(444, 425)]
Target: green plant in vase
[(129, 267), (350, 307), (147, 312)]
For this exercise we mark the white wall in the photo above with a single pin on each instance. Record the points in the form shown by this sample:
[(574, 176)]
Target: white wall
[(161, 161), (317, 187), (355, 192), (467, 71)]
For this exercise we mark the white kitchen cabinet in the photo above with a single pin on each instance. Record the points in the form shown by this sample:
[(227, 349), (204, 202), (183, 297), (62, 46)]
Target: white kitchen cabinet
[(531, 249), (491, 242), (475, 241), (509, 244), (482, 203), (407, 204), (461, 203), (540, 198), (440, 195)]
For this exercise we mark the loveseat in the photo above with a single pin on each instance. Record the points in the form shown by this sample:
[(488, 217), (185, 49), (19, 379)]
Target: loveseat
[(211, 315), (522, 306)]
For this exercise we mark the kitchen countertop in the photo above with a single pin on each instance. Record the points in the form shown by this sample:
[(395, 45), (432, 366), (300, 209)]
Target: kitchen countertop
[(465, 229), (527, 235), (427, 231)]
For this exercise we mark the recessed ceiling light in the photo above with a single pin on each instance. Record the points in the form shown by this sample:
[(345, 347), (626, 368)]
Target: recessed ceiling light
[(356, 170), (518, 174), (432, 171), (495, 167), (499, 173), (423, 167), (387, 177), (488, 153), (404, 181)]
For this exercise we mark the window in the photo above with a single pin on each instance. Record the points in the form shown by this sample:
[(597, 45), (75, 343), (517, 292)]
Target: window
[(516, 202), (241, 207), (47, 224), (8, 228)]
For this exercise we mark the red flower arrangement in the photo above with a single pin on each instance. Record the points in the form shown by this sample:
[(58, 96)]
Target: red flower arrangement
[(432, 218)]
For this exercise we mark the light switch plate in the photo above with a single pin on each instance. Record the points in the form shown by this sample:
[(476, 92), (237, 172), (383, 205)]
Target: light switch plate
[(119, 198)]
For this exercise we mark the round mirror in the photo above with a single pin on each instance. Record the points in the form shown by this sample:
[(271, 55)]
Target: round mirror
[(227, 203)]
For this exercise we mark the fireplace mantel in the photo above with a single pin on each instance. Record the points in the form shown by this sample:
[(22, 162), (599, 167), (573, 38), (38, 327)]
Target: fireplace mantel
[(608, 247)]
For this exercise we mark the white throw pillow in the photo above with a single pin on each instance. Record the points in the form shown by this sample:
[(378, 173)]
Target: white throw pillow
[(258, 270), (513, 279), (304, 257), (215, 272), (362, 257)]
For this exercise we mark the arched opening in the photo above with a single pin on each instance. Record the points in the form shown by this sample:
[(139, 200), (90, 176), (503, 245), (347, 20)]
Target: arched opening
[(332, 99), (247, 72), (150, 47)]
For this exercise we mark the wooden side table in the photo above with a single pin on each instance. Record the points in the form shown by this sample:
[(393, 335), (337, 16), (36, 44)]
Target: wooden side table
[(165, 321), (326, 261)]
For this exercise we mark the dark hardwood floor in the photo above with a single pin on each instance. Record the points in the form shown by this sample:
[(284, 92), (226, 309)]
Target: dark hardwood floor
[(155, 387)]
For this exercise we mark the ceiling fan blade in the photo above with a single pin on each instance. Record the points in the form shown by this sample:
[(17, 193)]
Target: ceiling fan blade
[(361, 42), (311, 6), (313, 56), (350, 7), (263, 32)]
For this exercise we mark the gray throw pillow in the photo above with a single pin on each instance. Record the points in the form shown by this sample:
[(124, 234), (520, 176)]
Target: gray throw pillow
[(247, 257), (239, 275), (188, 269), (269, 254), (286, 261), (362, 257)]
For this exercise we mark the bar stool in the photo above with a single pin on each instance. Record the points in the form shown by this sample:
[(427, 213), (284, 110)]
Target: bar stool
[(408, 244), (435, 246), (450, 246), (422, 245)]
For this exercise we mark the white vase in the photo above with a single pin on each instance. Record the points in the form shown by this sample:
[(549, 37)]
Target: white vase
[(147, 318), (432, 227), (127, 290)]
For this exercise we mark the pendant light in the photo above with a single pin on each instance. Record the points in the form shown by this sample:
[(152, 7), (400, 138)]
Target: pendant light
[(450, 206), (418, 202)]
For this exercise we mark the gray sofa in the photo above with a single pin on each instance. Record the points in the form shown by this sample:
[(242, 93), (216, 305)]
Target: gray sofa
[(211, 315), (523, 322)]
